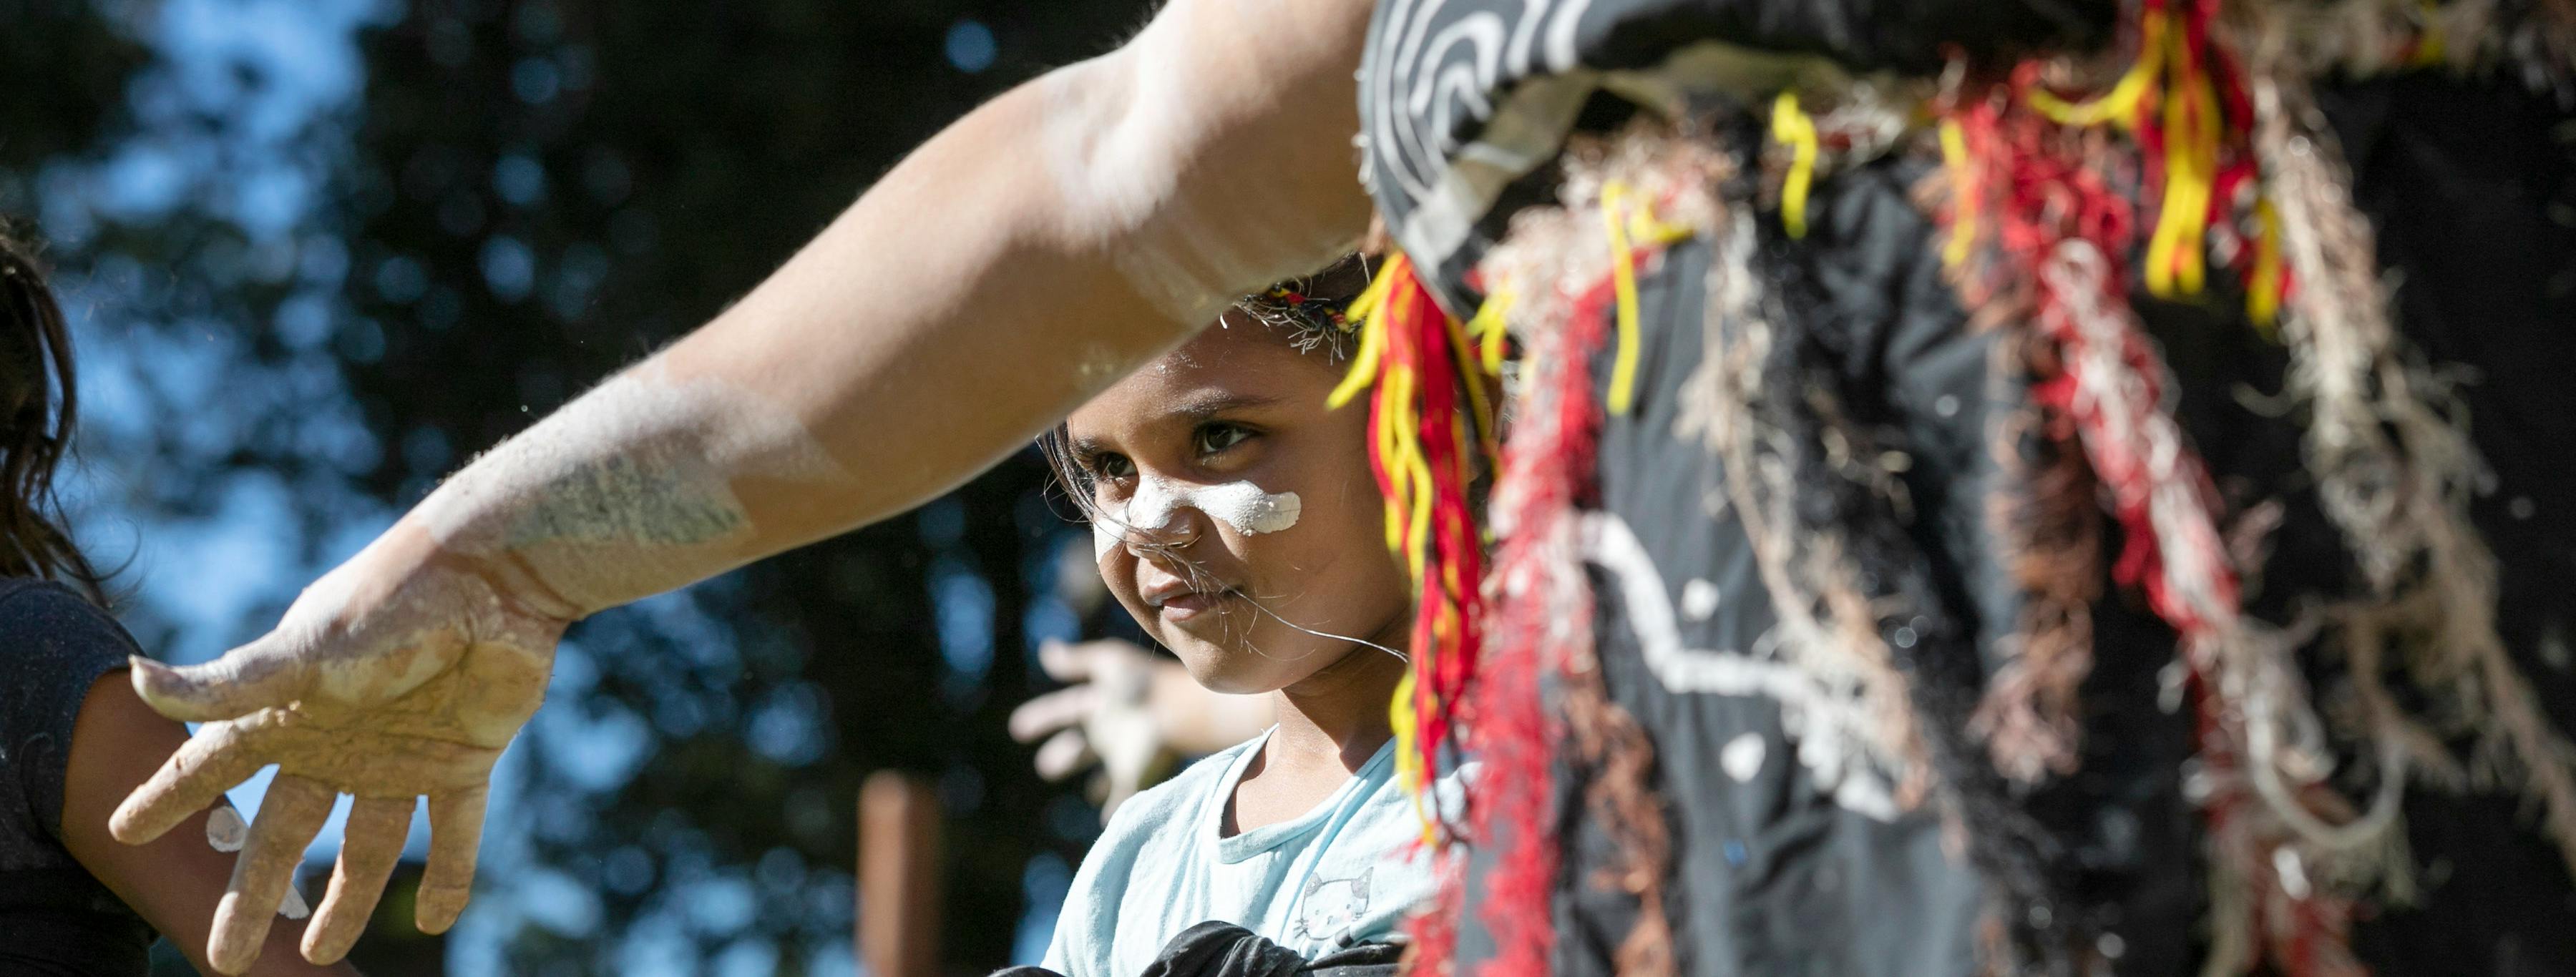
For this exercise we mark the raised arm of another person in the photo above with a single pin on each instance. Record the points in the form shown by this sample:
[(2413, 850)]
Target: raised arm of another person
[(1026, 257)]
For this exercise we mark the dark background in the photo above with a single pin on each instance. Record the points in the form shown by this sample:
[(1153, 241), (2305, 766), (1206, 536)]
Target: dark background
[(319, 252)]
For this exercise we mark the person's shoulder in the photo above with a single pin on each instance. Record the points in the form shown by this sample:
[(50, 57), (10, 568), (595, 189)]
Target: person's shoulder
[(49, 617)]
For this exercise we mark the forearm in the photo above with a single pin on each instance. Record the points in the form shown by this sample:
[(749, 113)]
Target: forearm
[(175, 882), (1020, 261)]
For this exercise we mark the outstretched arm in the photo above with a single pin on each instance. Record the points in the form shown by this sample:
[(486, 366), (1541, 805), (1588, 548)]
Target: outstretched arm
[(1023, 259)]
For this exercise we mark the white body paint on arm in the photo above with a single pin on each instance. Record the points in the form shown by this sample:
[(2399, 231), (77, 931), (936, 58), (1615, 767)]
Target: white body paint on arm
[(628, 491)]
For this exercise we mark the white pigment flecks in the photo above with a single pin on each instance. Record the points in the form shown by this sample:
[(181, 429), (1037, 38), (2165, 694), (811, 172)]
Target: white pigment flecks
[(627, 491), (225, 830), (1742, 756), (1699, 600), (1159, 501)]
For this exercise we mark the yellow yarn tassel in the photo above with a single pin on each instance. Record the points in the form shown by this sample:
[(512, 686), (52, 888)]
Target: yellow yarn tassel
[(1469, 362), (2176, 257), (1401, 356), (1623, 285), (1408, 760), (1963, 194), (1792, 128), (1489, 327), (1627, 232), (2120, 104), (2176, 253), (1362, 313), (2263, 290)]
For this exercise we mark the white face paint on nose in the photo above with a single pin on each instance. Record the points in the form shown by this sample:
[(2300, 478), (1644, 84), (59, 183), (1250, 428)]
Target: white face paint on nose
[(1158, 502)]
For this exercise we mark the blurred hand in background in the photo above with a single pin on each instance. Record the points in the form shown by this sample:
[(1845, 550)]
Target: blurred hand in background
[(1129, 712)]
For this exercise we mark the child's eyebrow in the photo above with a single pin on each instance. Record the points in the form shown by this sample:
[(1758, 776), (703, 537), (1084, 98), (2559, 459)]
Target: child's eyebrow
[(1192, 408), (1200, 407)]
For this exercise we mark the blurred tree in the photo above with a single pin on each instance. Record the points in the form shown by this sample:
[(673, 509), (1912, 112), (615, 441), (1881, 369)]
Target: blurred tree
[(543, 191), (323, 251)]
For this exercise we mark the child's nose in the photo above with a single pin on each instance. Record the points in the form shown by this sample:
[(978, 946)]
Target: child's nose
[(1160, 514), (1158, 542)]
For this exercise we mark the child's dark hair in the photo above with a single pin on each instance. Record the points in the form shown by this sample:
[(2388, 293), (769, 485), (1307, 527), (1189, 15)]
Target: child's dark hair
[(1305, 312), (1308, 311), (39, 406)]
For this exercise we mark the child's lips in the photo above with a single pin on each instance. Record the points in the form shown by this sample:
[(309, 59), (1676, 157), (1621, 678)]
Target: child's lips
[(1189, 604)]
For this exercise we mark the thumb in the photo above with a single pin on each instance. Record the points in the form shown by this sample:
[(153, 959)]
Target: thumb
[(255, 676)]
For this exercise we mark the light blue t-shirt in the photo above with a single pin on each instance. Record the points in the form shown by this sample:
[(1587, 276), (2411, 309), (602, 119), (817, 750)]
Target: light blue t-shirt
[(1347, 872)]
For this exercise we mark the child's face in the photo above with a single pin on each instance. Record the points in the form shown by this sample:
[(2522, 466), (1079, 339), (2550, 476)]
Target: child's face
[(1230, 503)]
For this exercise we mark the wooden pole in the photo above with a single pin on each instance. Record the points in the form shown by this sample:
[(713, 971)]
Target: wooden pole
[(898, 876)]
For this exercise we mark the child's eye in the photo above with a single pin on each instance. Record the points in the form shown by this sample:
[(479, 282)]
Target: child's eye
[(1213, 438), (1108, 466)]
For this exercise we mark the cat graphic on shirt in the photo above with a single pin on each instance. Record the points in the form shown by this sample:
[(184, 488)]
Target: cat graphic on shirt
[(1327, 908)]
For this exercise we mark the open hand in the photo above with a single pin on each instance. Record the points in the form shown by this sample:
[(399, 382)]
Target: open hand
[(1128, 710), (1105, 718), (388, 679)]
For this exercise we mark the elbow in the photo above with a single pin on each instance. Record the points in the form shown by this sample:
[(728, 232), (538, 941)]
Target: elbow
[(1198, 185)]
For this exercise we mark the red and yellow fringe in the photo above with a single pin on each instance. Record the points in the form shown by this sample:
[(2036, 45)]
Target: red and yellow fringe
[(1431, 420), (2022, 190), (2185, 103)]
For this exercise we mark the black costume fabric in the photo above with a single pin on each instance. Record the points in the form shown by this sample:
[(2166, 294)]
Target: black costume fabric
[(1516, 76), (55, 918), (1794, 853), (1221, 949)]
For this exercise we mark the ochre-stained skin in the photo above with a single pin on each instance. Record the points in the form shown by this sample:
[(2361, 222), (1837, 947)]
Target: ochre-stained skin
[(293, 810), (416, 696), (629, 494), (376, 829)]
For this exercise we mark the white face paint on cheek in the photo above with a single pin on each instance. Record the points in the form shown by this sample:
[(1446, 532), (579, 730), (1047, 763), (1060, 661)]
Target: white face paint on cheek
[(1241, 505), (1155, 503), (1247, 508)]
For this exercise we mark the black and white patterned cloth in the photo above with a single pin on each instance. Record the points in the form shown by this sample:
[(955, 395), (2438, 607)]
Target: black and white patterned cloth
[(1462, 102), (1783, 862)]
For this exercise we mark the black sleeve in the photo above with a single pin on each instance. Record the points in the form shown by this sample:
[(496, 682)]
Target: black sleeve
[(53, 645)]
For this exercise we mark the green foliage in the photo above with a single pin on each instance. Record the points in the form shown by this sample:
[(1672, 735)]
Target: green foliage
[(506, 203)]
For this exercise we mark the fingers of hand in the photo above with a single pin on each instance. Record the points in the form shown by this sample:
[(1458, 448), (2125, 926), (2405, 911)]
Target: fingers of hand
[(271, 671), (455, 834), (289, 816), (1052, 711), (219, 756), (1064, 662), (1064, 755), (368, 850)]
